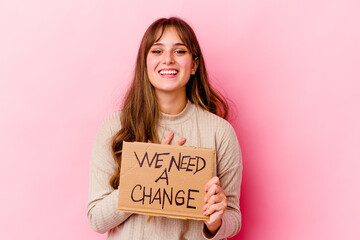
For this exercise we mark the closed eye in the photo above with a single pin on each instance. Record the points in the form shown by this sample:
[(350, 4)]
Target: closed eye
[(156, 51), (180, 51)]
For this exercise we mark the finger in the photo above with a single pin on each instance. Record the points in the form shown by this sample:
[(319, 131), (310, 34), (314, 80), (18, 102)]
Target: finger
[(213, 190), (218, 208), (181, 142), (149, 141), (168, 139), (216, 199), (214, 180)]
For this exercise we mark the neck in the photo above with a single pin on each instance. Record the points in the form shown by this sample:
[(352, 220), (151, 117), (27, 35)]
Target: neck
[(171, 103)]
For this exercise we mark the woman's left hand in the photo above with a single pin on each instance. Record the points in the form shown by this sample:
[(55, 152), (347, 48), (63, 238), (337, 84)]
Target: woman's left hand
[(215, 204)]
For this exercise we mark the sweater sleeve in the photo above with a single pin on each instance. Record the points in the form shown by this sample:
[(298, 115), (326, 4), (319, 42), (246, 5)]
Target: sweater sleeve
[(102, 203), (229, 171)]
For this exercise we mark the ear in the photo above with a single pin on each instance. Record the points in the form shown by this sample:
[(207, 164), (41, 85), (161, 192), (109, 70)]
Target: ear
[(194, 65)]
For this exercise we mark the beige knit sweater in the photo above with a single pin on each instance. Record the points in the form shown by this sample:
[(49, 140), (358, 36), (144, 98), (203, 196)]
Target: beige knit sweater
[(201, 129)]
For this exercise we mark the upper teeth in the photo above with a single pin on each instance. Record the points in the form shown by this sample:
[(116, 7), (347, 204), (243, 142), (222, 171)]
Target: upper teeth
[(168, 72)]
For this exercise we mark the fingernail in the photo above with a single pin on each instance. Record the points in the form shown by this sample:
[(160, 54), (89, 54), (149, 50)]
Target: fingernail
[(206, 199), (172, 133), (205, 208), (206, 188), (149, 141)]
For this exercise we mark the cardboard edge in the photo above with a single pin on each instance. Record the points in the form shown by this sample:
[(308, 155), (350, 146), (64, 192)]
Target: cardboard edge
[(171, 146), (162, 214)]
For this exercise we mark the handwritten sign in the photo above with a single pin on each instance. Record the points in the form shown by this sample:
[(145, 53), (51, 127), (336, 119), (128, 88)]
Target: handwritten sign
[(164, 180)]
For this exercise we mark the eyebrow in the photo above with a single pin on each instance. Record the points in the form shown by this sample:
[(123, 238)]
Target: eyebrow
[(161, 44)]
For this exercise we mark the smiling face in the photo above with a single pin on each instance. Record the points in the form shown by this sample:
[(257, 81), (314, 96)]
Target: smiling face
[(169, 63)]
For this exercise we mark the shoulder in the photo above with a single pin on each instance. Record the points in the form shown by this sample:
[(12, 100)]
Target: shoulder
[(111, 124), (108, 128), (218, 124)]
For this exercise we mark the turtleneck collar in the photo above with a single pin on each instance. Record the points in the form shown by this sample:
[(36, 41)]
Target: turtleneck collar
[(185, 114)]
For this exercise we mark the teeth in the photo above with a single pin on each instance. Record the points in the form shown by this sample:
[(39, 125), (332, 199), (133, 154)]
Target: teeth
[(168, 72)]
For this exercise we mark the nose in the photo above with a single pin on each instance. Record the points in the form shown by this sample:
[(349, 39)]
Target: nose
[(168, 57)]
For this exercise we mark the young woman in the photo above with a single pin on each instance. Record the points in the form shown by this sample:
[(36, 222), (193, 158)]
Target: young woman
[(170, 101)]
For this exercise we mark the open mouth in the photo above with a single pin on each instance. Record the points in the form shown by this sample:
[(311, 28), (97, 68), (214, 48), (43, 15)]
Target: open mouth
[(168, 72)]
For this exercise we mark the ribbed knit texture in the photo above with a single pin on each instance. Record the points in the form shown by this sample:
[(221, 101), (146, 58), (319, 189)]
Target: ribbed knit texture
[(201, 129)]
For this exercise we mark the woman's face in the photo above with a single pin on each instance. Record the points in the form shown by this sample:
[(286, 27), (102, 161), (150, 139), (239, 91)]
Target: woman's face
[(169, 63)]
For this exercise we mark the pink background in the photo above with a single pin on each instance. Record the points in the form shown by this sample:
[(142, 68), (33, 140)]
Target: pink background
[(291, 69)]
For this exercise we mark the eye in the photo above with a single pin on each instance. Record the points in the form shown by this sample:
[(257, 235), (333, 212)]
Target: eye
[(156, 51), (180, 51)]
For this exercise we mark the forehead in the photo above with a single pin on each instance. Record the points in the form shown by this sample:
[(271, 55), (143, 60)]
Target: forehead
[(169, 34)]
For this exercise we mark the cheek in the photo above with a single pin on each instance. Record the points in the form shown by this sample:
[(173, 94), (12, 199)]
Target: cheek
[(151, 63), (186, 63)]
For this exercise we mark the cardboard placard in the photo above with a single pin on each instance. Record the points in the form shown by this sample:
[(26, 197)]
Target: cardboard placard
[(164, 180)]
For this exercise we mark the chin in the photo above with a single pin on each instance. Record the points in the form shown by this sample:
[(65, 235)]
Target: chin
[(170, 89)]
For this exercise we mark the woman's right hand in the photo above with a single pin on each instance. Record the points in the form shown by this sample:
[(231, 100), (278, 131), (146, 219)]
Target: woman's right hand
[(168, 138)]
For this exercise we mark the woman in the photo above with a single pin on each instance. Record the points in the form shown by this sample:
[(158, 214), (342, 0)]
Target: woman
[(170, 101)]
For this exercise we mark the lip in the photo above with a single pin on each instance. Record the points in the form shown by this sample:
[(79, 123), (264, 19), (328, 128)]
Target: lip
[(168, 69)]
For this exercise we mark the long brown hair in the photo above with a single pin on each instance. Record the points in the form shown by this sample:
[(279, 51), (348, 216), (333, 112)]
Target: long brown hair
[(140, 112)]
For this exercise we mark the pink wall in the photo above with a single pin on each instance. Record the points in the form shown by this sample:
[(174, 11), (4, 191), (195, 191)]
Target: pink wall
[(291, 69)]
